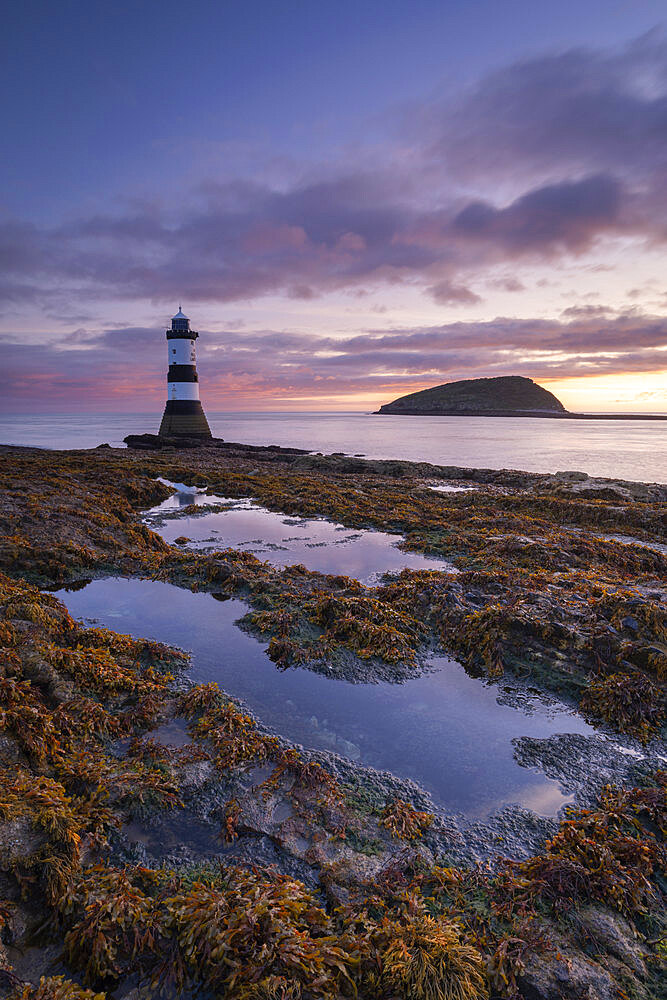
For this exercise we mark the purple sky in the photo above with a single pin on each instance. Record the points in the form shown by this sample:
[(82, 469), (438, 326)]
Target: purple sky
[(351, 201)]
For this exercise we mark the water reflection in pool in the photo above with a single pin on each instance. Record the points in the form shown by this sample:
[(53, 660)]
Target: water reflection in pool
[(445, 729), (281, 540)]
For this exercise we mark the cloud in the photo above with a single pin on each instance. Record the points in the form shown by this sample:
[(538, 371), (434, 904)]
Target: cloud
[(288, 243), (541, 161), (582, 111), (565, 216), (449, 294), (564, 151), (90, 370), (585, 312), (657, 394)]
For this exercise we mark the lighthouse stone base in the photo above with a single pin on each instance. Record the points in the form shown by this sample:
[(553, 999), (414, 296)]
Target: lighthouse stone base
[(184, 418)]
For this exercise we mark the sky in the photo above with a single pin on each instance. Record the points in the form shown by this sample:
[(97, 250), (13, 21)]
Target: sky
[(351, 200)]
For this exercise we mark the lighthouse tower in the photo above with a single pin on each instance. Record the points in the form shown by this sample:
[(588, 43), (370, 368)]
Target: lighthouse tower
[(183, 415)]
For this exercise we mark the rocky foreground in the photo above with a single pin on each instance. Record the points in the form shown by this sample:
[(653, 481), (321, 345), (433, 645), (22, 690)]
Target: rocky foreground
[(324, 879)]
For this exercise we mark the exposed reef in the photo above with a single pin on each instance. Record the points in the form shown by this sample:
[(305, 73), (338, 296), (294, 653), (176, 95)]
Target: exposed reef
[(155, 835)]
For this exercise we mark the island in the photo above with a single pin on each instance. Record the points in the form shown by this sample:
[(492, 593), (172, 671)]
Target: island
[(502, 396)]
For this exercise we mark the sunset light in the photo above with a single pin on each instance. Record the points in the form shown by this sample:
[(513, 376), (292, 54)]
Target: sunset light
[(333, 492)]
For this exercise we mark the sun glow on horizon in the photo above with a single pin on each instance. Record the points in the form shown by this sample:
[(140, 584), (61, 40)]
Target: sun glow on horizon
[(634, 392)]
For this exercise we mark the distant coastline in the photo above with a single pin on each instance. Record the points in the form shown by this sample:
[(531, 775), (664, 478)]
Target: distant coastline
[(521, 413)]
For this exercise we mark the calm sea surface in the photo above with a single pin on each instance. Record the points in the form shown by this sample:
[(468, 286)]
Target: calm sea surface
[(623, 449)]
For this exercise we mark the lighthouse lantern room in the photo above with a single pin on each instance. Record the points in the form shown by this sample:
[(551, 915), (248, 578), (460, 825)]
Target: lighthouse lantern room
[(183, 415)]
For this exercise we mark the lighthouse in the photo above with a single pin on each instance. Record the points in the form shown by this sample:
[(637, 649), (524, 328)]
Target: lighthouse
[(183, 415)]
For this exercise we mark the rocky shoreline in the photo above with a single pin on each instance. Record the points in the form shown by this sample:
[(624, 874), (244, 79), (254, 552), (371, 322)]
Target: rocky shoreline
[(98, 880)]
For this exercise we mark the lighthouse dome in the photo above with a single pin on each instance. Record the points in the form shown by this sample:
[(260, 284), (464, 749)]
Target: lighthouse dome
[(180, 322)]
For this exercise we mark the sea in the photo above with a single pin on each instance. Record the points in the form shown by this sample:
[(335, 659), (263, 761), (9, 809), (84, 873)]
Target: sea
[(623, 449)]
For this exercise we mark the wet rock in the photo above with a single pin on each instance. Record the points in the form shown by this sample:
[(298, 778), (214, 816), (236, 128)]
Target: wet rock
[(144, 442), (31, 963), (618, 489), (564, 974), (513, 832), (10, 751), (265, 813), (42, 673), (378, 787), (153, 442), (572, 477), (604, 493), (271, 451), (606, 931), (133, 993), (347, 872), (197, 776), (584, 764), (18, 840), (253, 850)]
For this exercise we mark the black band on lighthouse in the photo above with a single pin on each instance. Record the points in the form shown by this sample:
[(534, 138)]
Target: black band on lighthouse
[(183, 408), (182, 373), (182, 334)]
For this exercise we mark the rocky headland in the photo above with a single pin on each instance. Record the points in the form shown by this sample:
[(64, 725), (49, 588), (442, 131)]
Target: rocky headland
[(502, 396), (301, 874)]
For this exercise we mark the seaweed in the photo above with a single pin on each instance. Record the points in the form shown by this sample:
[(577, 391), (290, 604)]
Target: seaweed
[(630, 702), (233, 931), (53, 988), (404, 821), (610, 855), (427, 960)]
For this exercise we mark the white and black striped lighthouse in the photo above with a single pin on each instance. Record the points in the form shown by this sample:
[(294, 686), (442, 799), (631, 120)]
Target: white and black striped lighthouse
[(183, 415)]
